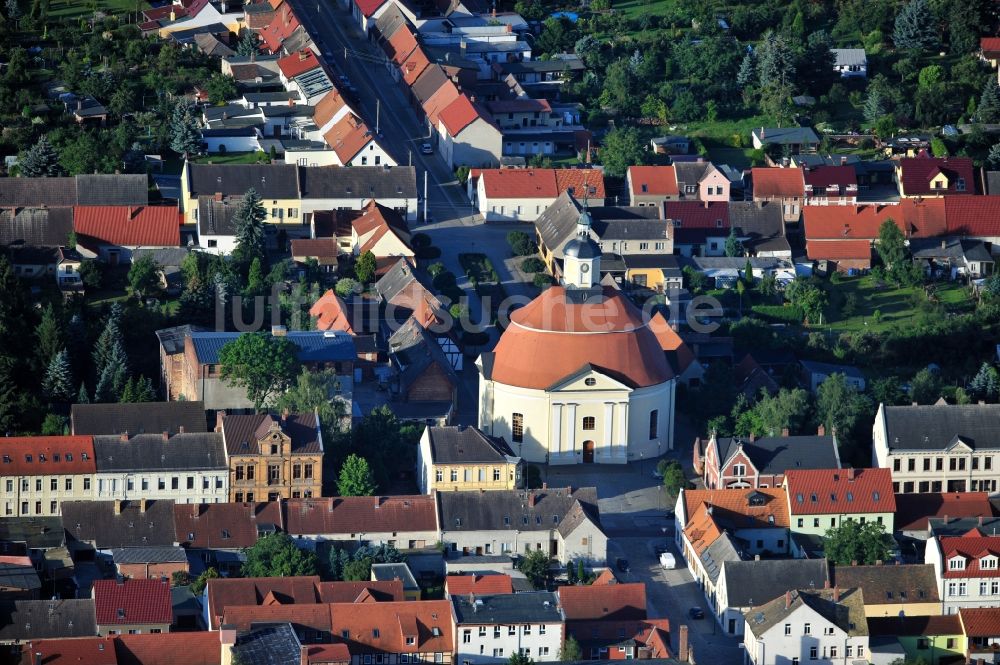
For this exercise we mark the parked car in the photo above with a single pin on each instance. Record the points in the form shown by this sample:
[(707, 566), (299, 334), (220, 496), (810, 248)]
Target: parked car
[(426, 149), (668, 562), (696, 613), (622, 565)]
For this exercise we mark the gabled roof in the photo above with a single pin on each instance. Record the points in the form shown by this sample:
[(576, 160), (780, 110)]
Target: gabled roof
[(650, 637), (528, 607), (328, 107), (319, 248), (980, 621), (49, 227), (348, 136), (46, 455), (840, 492), (989, 44), (652, 180), (697, 214), (280, 28), (154, 452), (971, 547), (916, 173), (182, 648), (940, 426), (375, 222), (243, 433), (750, 582), (821, 177), (369, 7), (132, 601), (299, 62), (301, 617), (973, 215), (847, 57), (126, 226), (413, 350), (913, 511), (437, 102), (26, 192), (741, 508), (679, 354), (331, 312), (313, 345), (125, 189), (427, 622), (22, 620), (360, 514), (542, 183), (110, 524), (369, 591), (844, 608), (463, 585), (365, 182), (914, 626), (226, 526), (272, 181), (508, 510), (37, 532), (414, 65), (458, 115), (613, 602), (905, 583), (223, 593), (464, 444), (777, 183), (819, 250), (400, 45), (915, 218), (757, 221), (71, 651), (778, 454), (404, 286), (429, 83)]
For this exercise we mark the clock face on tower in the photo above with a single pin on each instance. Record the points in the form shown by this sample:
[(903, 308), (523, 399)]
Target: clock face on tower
[(585, 268)]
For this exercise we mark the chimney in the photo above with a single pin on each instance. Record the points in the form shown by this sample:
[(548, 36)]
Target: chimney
[(143, 505), (227, 642), (180, 429), (220, 415), (166, 436), (843, 160), (854, 563), (38, 658), (79, 104), (291, 101), (784, 431), (850, 475), (836, 594), (531, 499), (682, 644), (472, 600), (303, 655), (545, 486), (821, 430), (788, 599), (946, 519), (118, 506), (705, 203), (756, 557)]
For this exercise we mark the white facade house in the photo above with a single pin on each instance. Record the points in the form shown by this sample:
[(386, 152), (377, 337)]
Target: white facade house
[(404, 522), (850, 62), (967, 569), (354, 188), (467, 136), (489, 629)]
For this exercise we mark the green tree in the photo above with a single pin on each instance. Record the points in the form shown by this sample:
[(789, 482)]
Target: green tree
[(247, 46), (938, 147), (138, 390), (40, 160), (521, 243), (58, 382), (91, 274), (839, 406), (674, 479), (201, 581), (262, 364), (788, 409), (517, 658), (255, 278), (622, 148), (356, 478), (930, 76), (185, 136), (276, 555), (315, 392), (10, 410), (249, 221), (803, 293), (110, 359), (535, 566), (571, 651), (988, 110), (853, 541), (220, 88), (915, 26), (891, 248), (347, 287), (82, 397), (55, 425), (985, 385), (365, 266), (359, 570), (49, 334), (733, 245), (925, 387), (993, 159), (144, 275)]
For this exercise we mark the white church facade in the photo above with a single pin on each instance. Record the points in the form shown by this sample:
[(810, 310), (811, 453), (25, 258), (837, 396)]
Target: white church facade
[(579, 376)]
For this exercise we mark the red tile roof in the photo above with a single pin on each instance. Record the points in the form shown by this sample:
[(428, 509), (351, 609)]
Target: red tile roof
[(916, 173), (613, 602), (132, 601), (441, 98), (328, 107), (74, 651), (671, 342), (321, 248), (347, 137), (519, 183), (651, 633), (222, 593), (396, 622), (916, 219), (414, 65), (821, 177), (373, 225), (46, 455), (839, 250), (734, 506), (653, 180), (914, 510), (127, 226), (973, 215), (313, 617), (360, 514), (298, 63), (361, 592), (280, 28), (972, 546), (223, 525), (329, 312), (840, 491), (328, 653), (980, 621), (458, 115), (191, 648), (777, 183), (589, 182), (400, 45), (607, 576), (460, 585), (989, 44), (369, 7), (698, 214)]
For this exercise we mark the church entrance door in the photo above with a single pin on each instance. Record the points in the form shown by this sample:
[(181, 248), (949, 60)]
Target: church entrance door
[(588, 452)]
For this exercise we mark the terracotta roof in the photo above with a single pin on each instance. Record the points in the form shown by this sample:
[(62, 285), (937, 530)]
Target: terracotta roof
[(373, 225), (360, 514), (972, 546), (840, 491), (328, 107), (916, 219), (671, 342), (369, 7), (329, 312), (989, 44), (607, 576), (973, 215), (839, 250), (328, 653), (429, 622), (222, 593), (653, 634), (321, 248), (606, 334), (777, 183), (280, 28), (697, 214), (437, 102), (46, 455), (312, 617), (609, 602), (414, 65), (916, 173), (347, 137), (74, 651), (360, 592), (914, 510), (734, 506), (581, 181), (543, 183), (652, 180), (460, 585), (150, 226), (458, 115), (980, 621), (400, 45), (187, 648), (224, 525), (132, 601), (298, 63)]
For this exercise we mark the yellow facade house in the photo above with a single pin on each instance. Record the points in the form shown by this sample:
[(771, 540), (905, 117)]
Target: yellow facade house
[(464, 458), (904, 590), (276, 184)]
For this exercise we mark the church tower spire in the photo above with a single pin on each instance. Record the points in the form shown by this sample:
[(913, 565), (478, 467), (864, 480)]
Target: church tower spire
[(581, 255)]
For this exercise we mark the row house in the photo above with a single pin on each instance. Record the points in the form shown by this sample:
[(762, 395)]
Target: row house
[(697, 180), (113, 233), (523, 194), (40, 473), (138, 418), (464, 458), (218, 533), (900, 590), (737, 462), (980, 628), (785, 187), (395, 633), (822, 499), (404, 522), (830, 185), (742, 585), (966, 568), (303, 72), (132, 606), (938, 447), (926, 176), (935, 640), (493, 628)]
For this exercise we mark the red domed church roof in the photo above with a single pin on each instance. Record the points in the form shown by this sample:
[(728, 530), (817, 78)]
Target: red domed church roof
[(562, 331)]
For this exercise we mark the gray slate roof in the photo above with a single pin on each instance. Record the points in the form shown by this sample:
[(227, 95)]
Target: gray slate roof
[(390, 21), (151, 452), (723, 550), (172, 339), (398, 277), (128, 555), (557, 223), (18, 192), (846, 57), (952, 248), (19, 576), (506, 609), (147, 417), (35, 226), (413, 350), (357, 182), (936, 427), (466, 445), (914, 583), (22, 620), (216, 218), (751, 583), (386, 572), (848, 613), (757, 221), (314, 345), (112, 190), (428, 83), (35, 532), (690, 173), (269, 645), (97, 523), (786, 135), (778, 454), (478, 511), (272, 181), (993, 183)]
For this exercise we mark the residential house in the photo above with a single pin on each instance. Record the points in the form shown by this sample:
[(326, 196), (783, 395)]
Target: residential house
[(132, 606), (332, 188), (563, 522), (34, 226), (670, 145), (982, 637), (26, 620), (830, 185), (541, 73), (303, 72), (808, 624), (523, 194), (424, 379), (355, 144), (651, 185), (353, 316), (793, 139), (187, 468), (750, 379), (850, 62), (69, 191), (938, 447), (814, 373), (973, 217), (742, 585), (397, 572), (656, 272), (103, 526), (931, 639), (397, 632), (480, 584), (918, 514), (276, 184), (383, 232), (41, 472), (149, 563), (785, 187), (925, 176), (702, 181), (200, 372), (602, 602), (41, 539), (822, 499), (685, 367), (217, 533), (407, 293), (323, 251), (328, 112), (625, 640), (468, 135), (755, 463), (463, 458), (759, 227), (989, 50), (273, 457), (494, 627), (892, 590), (699, 228), (404, 522), (953, 258), (965, 568), (282, 26), (18, 578), (52, 262)]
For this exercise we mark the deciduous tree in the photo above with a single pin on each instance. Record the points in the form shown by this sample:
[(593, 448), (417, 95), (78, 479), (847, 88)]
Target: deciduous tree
[(356, 478), (852, 541), (622, 148), (262, 364), (535, 566), (144, 275), (276, 555)]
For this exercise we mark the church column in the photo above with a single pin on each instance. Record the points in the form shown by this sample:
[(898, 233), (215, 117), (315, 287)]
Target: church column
[(608, 447), (623, 429), (555, 440), (570, 429)]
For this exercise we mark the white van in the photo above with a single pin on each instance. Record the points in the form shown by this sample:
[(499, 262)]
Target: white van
[(667, 561)]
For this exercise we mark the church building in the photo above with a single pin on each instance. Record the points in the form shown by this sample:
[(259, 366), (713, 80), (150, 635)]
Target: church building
[(579, 377)]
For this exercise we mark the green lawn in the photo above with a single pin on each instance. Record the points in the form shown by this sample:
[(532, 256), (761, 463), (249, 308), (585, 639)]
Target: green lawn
[(85, 8), (638, 8), (896, 306), (231, 158), (478, 267)]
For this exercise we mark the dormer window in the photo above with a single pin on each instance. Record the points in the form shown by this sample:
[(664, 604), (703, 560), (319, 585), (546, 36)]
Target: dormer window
[(988, 563), (645, 188), (960, 185), (410, 641), (956, 563)]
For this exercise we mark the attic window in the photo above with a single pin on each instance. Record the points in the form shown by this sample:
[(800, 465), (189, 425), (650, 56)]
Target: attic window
[(69, 457), (121, 612), (888, 595), (458, 521), (555, 519), (850, 496), (345, 634), (590, 381), (410, 641), (506, 520), (875, 496), (718, 223), (191, 535), (435, 631), (375, 633), (6, 459), (833, 497), (41, 457), (225, 534), (645, 188), (814, 498), (27, 458), (55, 457), (84, 456)]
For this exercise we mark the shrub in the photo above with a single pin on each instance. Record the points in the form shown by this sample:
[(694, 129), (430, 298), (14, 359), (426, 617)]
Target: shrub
[(779, 313), (346, 287), (435, 269), (420, 240), (521, 243), (533, 264), (542, 280)]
